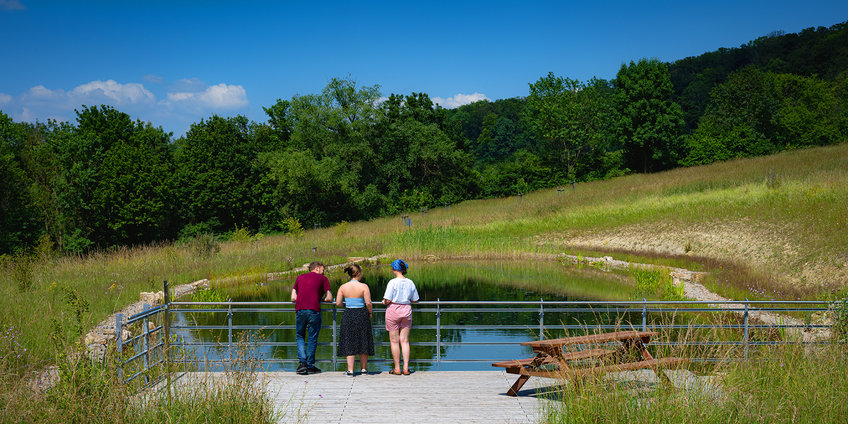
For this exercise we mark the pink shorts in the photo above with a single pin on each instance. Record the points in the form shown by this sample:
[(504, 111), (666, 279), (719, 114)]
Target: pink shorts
[(398, 316)]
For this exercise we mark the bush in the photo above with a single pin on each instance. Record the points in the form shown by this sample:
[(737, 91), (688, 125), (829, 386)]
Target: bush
[(22, 272), (205, 245), (292, 227)]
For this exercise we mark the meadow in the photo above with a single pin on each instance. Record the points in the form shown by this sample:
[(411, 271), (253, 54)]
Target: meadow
[(767, 227)]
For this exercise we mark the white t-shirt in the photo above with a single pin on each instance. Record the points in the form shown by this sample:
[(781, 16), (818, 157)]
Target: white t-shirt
[(401, 291)]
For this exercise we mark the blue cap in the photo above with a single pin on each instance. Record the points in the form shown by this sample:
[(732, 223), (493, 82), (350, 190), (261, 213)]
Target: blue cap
[(399, 265)]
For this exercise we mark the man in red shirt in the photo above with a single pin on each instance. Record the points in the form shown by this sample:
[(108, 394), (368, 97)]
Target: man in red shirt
[(306, 295)]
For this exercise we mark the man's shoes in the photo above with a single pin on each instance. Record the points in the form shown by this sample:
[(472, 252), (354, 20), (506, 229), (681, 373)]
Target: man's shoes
[(349, 374), (302, 369), (313, 370)]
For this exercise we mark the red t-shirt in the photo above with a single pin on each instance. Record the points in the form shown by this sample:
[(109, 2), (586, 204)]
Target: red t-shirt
[(310, 288)]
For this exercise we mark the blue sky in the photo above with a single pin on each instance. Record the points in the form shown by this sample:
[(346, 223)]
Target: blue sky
[(175, 62)]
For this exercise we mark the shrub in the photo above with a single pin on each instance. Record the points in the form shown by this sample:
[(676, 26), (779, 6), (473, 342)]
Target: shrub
[(22, 272), (205, 245), (292, 227)]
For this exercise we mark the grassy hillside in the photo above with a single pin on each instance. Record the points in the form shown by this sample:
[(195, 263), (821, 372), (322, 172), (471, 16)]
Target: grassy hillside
[(770, 227)]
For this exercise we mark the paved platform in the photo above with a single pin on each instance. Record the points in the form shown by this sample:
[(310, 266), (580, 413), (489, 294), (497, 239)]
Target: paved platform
[(423, 397)]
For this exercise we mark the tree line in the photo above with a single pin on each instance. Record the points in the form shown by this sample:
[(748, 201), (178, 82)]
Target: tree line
[(347, 153)]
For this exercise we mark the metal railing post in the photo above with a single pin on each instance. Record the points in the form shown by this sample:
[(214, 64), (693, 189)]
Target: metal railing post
[(745, 331), (230, 329), (119, 344), (541, 318), (438, 335), (334, 337), (146, 344), (644, 314), (167, 336)]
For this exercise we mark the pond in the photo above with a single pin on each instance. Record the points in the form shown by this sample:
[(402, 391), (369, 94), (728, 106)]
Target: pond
[(465, 342)]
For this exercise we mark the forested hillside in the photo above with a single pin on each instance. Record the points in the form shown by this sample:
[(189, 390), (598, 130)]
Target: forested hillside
[(347, 153)]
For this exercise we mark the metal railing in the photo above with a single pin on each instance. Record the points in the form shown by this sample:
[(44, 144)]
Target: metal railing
[(144, 353), (616, 309), (664, 316)]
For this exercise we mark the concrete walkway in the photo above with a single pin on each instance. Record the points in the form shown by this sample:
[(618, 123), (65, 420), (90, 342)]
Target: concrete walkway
[(423, 397), (426, 396)]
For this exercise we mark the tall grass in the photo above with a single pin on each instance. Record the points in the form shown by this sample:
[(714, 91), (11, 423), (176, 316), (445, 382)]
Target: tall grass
[(90, 391), (795, 385)]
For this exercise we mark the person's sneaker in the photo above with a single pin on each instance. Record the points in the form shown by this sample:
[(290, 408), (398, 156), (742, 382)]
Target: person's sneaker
[(313, 370), (302, 369), (363, 371), (349, 374)]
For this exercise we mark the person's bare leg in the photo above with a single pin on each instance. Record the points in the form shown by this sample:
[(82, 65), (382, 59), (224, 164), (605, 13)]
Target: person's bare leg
[(404, 345), (350, 361), (394, 337), (363, 361)]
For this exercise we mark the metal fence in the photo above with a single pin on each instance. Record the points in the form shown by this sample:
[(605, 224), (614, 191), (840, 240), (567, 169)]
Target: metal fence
[(710, 324)]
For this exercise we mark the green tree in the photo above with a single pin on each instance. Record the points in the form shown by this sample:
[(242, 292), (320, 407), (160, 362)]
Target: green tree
[(113, 184), (567, 118), (20, 226), (756, 113), (649, 123), (219, 181)]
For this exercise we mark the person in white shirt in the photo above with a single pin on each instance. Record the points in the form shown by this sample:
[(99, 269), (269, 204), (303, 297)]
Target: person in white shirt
[(400, 293)]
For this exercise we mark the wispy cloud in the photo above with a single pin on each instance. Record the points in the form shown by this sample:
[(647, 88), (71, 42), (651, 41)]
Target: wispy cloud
[(221, 96), (153, 79), (120, 94), (11, 5), (5, 98), (459, 100)]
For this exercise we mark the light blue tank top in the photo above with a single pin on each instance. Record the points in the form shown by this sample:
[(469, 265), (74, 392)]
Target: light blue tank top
[(354, 302)]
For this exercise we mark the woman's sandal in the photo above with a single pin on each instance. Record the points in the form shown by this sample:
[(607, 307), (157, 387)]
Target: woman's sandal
[(393, 372), (406, 373)]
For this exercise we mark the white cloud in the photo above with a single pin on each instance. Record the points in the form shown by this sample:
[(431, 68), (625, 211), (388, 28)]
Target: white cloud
[(94, 92), (175, 106), (11, 5), (221, 96), (42, 92), (459, 100), (119, 93)]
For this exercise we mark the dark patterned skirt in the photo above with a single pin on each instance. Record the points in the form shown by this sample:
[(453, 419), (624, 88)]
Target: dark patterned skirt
[(355, 336)]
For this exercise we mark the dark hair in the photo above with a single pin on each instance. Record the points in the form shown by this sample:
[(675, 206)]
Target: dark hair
[(353, 270), (315, 264)]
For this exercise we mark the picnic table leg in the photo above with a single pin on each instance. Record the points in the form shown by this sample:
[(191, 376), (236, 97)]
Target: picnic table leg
[(513, 391), (639, 345)]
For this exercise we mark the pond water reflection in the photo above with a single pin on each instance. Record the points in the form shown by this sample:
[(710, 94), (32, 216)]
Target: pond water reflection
[(481, 281)]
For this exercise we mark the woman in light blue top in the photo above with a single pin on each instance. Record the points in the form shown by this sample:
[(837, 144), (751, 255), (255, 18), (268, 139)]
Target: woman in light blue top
[(400, 293)]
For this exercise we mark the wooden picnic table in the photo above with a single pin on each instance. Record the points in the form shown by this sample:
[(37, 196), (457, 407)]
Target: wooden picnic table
[(551, 361)]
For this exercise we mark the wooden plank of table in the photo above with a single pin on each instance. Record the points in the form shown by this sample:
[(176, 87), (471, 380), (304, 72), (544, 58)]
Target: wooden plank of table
[(645, 336), (586, 371)]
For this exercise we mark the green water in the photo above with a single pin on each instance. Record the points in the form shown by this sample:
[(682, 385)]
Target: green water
[(446, 281)]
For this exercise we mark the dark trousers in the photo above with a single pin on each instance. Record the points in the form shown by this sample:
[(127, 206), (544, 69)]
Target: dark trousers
[(307, 321)]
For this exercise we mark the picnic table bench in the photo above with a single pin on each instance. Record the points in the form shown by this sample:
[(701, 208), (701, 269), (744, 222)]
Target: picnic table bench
[(551, 361)]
